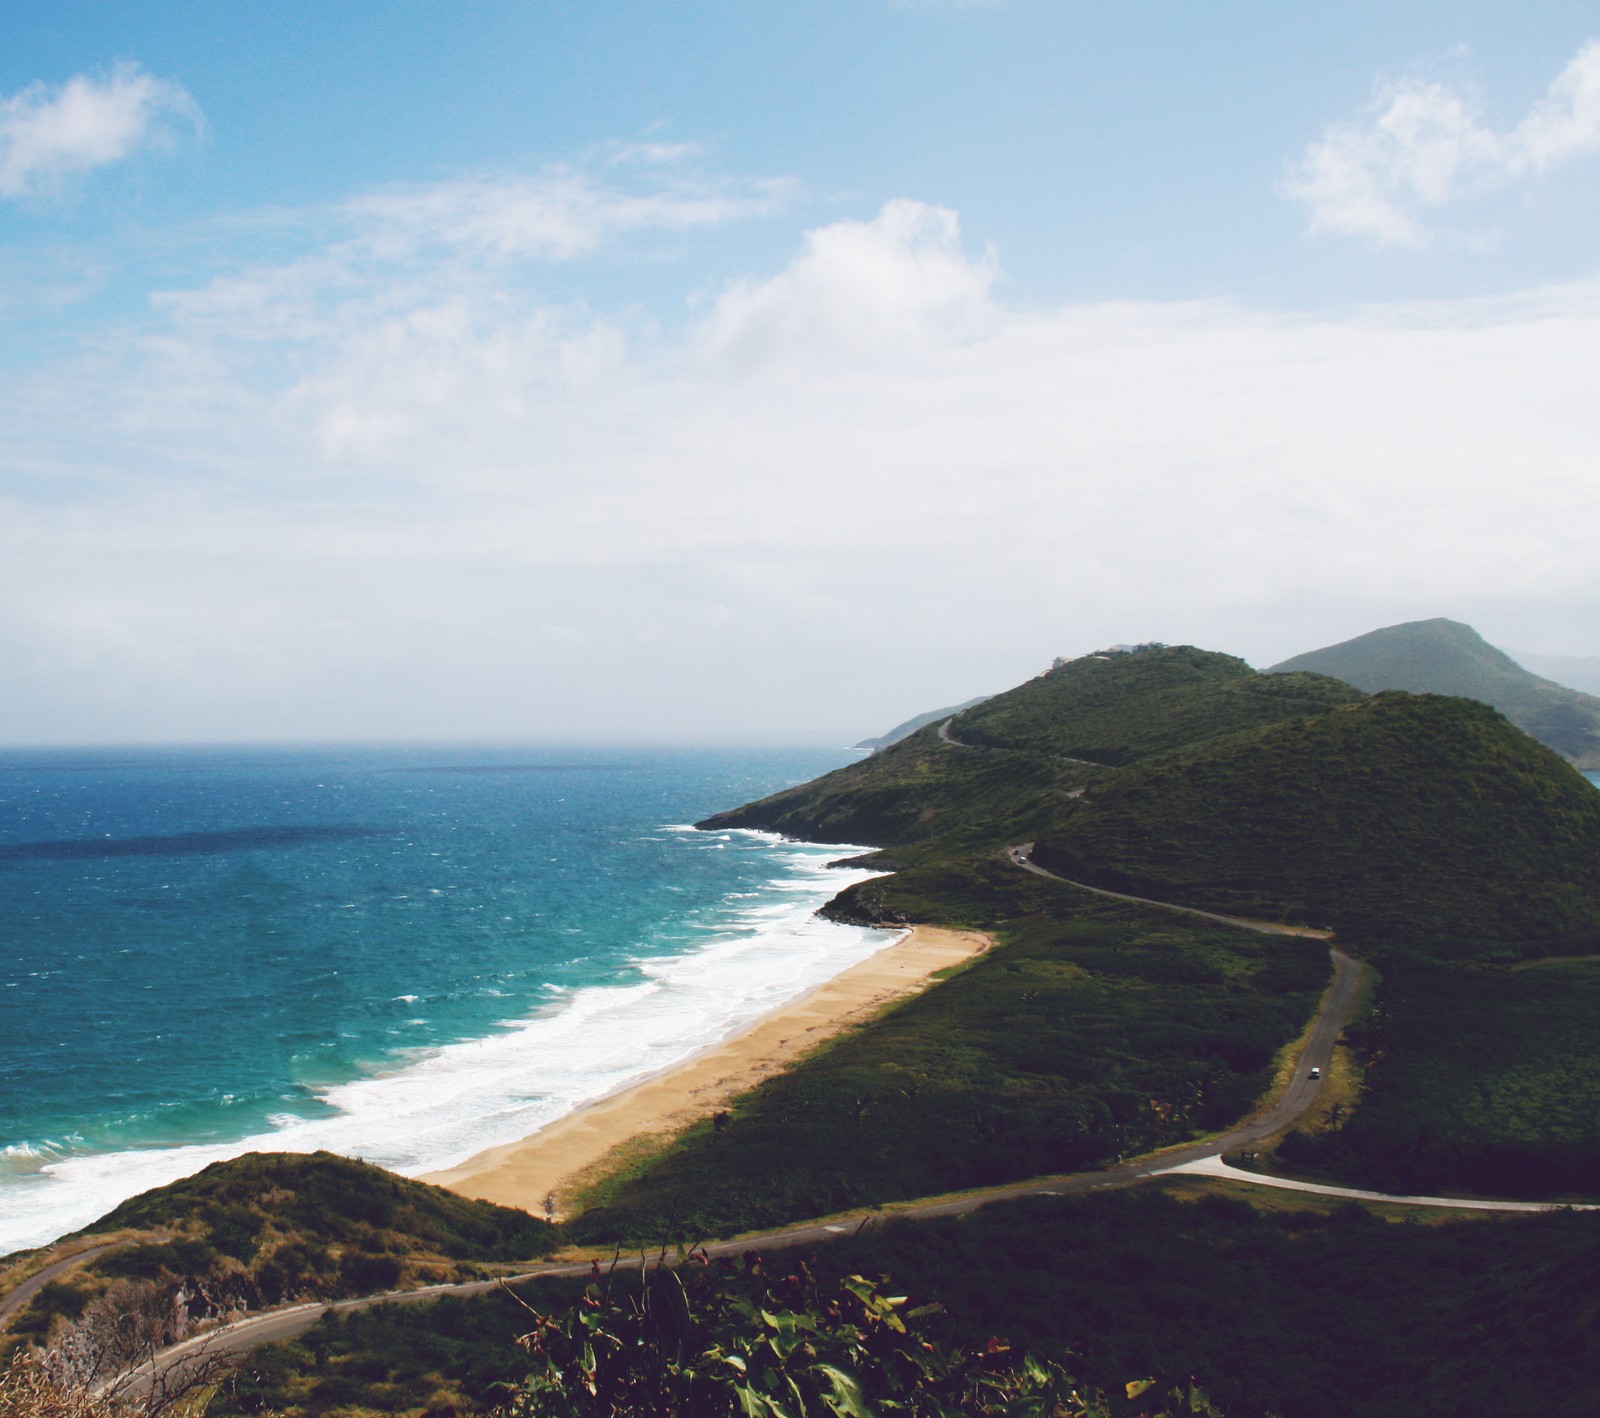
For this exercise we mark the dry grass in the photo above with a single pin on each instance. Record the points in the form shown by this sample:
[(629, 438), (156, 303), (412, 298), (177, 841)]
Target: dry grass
[(30, 1389)]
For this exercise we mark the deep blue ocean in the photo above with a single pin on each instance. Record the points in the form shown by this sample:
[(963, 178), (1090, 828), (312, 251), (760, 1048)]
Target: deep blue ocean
[(405, 954)]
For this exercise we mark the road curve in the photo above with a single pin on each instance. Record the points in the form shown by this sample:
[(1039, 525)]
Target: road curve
[(1022, 856), (16, 1298), (242, 1335), (1201, 1159)]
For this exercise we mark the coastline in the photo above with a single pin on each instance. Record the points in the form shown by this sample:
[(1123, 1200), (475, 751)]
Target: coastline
[(564, 1155)]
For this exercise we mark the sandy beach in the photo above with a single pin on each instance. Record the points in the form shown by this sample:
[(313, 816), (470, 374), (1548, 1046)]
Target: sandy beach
[(557, 1159)]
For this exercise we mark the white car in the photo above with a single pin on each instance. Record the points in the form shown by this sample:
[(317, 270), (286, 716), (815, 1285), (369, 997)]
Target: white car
[(1316, 1072)]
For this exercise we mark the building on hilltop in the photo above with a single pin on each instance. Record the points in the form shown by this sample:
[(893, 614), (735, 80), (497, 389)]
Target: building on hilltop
[(1110, 654)]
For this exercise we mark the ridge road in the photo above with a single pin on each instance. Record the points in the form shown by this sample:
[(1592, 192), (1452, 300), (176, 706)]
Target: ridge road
[(1201, 1158)]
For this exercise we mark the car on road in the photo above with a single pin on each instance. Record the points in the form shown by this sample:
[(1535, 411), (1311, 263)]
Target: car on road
[(1316, 1072)]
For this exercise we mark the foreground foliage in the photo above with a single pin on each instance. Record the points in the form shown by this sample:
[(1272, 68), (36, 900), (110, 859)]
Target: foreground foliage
[(755, 1341), (30, 1388), (1302, 1312)]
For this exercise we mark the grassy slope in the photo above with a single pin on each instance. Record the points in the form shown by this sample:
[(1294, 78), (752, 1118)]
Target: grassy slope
[(1446, 657), (1302, 1313), (1407, 822), (922, 792), (916, 792), (275, 1226), (1120, 710), (1484, 1079), (1094, 1029)]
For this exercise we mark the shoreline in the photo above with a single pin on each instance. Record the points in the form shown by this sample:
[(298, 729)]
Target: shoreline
[(541, 1172)]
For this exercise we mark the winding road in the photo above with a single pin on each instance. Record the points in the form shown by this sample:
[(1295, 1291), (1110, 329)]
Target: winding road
[(1201, 1159)]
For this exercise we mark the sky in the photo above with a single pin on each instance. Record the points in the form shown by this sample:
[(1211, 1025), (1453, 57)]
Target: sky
[(742, 369)]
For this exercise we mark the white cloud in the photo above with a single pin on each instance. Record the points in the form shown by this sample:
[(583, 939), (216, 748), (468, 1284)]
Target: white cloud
[(434, 501), (556, 215), (902, 276), (48, 135), (1422, 147)]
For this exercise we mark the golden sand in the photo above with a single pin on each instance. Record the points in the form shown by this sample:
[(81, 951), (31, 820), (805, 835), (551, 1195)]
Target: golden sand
[(547, 1166)]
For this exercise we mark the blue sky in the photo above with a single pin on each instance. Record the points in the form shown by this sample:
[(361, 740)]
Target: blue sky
[(550, 370)]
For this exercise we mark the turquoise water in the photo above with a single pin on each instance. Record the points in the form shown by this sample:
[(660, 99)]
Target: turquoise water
[(403, 954)]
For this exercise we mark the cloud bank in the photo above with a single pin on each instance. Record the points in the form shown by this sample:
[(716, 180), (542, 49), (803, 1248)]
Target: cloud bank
[(402, 485), (1421, 147), (49, 135)]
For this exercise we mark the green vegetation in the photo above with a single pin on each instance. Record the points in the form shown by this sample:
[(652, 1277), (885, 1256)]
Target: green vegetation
[(1039, 743), (753, 1341), (917, 793), (1094, 1029), (1125, 708), (269, 1227), (1419, 827), (1478, 1079), (1437, 839), (1409, 823), (1446, 657), (1301, 1313), (918, 721)]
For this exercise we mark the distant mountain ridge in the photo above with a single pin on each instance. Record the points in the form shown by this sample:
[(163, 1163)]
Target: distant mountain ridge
[(920, 721), (1442, 656), (1581, 672)]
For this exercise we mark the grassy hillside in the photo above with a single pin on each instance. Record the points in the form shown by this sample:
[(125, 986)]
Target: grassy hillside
[(1483, 1079), (918, 791), (1031, 749), (1094, 1029), (269, 1227), (1123, 708), (1445, 657), (1304, 1312), (1407, 822)]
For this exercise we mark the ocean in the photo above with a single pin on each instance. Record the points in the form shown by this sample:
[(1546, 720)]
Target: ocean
[(402, 954)]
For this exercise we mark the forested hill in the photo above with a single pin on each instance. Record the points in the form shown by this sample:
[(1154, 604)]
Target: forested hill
[(1421, 823), (1032, 748), (1120, 708), (1407, 822), (1445, 657)]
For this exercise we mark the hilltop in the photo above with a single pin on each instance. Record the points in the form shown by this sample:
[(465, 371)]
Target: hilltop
[(1446, 657), (267, 1228), (1401, 820), (1002, 767)]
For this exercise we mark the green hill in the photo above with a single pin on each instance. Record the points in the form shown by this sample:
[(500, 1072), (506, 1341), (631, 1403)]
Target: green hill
[(1406, 822), (917, 791), (269, 1227), (1018, 757), (1119, 708), (1445, 657)]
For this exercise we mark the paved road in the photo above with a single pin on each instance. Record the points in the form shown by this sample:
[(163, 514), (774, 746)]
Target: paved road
[(1202, 1158), (17, 1298), (1216, 1167), (246, 1334), (954, 742), (1023, 856)]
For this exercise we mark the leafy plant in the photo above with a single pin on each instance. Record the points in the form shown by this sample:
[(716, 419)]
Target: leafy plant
[(716, 1338)]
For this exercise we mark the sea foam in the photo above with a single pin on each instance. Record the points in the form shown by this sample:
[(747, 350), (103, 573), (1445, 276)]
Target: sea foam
[(441, 1106)]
